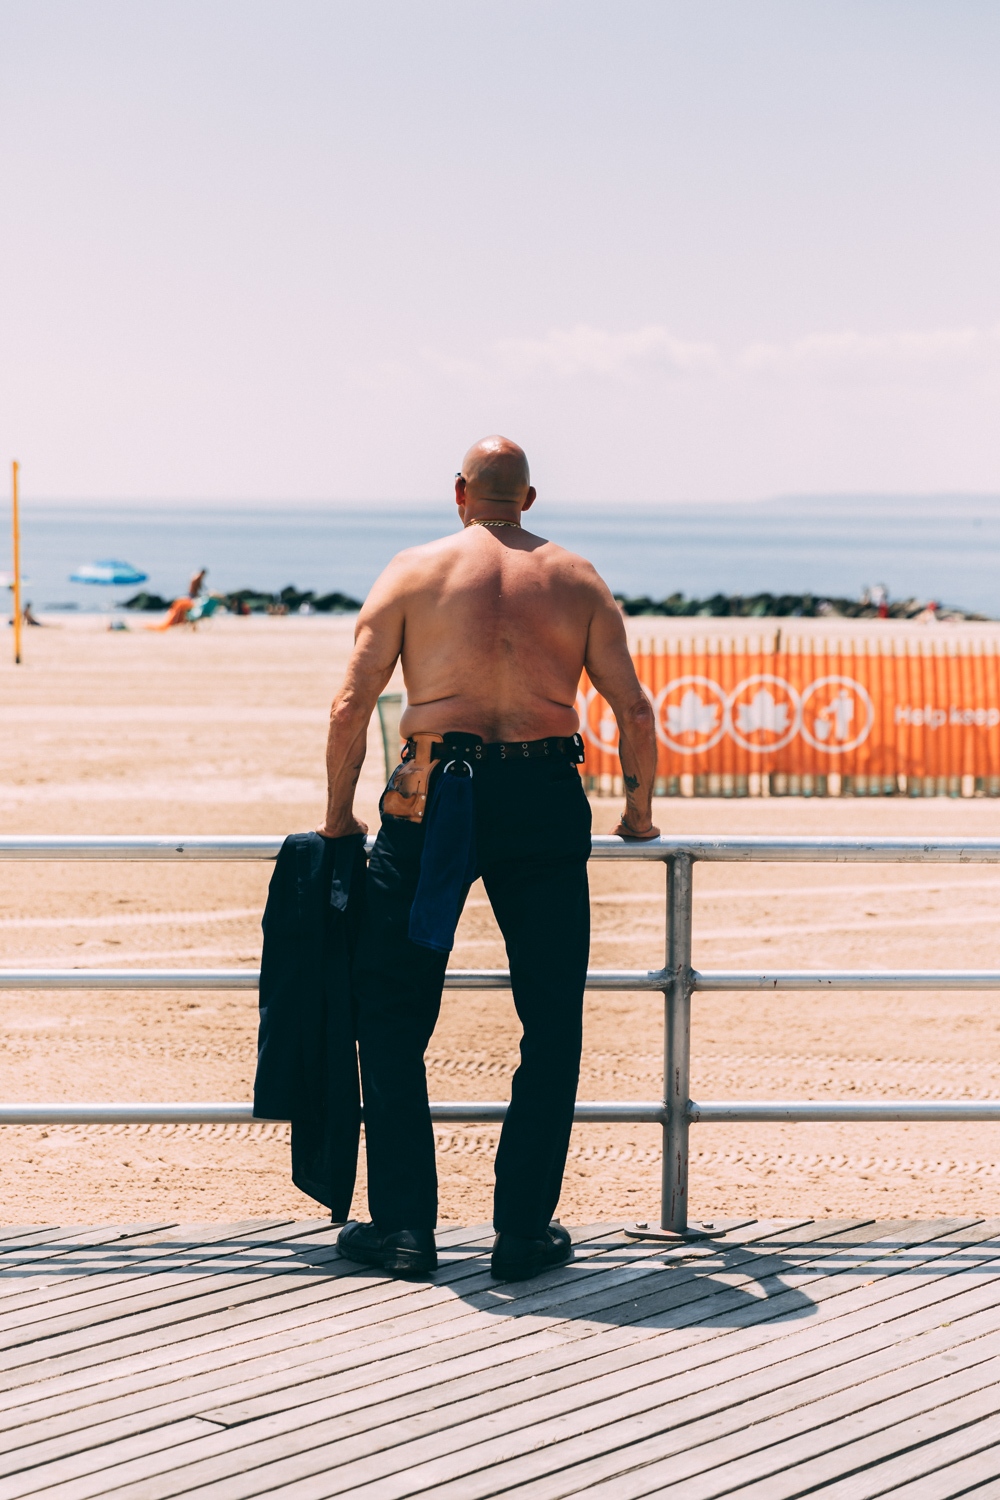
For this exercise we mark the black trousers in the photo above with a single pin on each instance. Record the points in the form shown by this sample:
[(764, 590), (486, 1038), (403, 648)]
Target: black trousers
[(533, 842)]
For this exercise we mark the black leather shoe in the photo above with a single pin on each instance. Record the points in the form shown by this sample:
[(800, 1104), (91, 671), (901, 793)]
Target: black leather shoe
[(516, 1259), (405, 1252)]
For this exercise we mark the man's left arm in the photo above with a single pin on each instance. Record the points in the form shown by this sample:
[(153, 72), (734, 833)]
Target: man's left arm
[(378, 641), (610, 668)]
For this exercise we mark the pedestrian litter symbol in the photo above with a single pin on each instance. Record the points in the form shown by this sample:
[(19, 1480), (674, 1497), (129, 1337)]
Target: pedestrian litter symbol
[(837, 714)]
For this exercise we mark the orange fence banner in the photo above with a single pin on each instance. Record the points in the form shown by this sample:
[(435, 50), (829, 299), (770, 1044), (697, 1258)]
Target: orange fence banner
[(880, 710)]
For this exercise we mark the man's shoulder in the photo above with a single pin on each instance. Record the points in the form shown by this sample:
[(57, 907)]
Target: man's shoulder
[(424, 555), (570, 566), (427, 551)]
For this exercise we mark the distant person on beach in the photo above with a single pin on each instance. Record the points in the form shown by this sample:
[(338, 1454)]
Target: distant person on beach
[(494, 626), (180, 609)]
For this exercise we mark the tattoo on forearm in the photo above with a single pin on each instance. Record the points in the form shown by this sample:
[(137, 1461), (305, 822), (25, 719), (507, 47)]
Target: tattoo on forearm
[(632, 783)]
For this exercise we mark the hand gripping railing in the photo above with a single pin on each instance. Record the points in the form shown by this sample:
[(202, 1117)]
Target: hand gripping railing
[(676, 981)]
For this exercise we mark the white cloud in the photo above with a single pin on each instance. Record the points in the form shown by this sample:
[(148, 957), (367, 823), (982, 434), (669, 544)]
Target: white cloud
[(584, 350), (653, 353), (922, 354), (674, 418)]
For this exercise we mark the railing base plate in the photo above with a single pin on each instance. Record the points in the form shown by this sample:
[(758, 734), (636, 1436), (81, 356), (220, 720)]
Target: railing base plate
[(709, 1229)]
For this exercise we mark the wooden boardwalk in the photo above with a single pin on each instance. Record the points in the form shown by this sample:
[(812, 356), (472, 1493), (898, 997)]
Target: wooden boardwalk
[(843, 1358)]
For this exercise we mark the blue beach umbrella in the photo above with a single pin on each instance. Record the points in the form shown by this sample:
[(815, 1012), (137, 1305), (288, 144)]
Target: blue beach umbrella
[(109, 571)]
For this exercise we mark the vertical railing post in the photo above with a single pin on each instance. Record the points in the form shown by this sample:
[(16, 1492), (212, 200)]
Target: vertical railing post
[(677, 1046)]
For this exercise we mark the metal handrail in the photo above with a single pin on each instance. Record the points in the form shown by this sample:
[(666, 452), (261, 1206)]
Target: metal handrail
[(677, 981), (725, 849), (631, 980), (457, 1111)]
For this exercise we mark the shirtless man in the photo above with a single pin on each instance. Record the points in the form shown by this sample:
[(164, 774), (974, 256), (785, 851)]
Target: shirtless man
[(494, 626)]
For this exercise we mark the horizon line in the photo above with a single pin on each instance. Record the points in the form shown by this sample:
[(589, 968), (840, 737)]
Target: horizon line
[(291, 503)]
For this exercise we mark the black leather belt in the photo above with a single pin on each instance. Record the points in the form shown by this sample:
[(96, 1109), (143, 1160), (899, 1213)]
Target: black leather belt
[(472, 749)]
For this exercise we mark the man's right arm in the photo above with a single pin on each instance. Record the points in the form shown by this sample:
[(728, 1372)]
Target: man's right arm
[(610, 668), (378, 640)]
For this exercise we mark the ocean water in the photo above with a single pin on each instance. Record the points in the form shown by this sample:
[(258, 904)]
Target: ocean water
[(945, 548)]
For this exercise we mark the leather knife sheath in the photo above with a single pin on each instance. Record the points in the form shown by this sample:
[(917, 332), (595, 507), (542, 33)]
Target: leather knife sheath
[(406, 794)]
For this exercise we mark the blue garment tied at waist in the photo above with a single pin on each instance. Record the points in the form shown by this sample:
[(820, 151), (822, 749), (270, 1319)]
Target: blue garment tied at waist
[(447, 863)]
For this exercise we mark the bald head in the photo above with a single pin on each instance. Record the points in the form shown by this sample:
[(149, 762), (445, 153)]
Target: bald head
[(496, 470)]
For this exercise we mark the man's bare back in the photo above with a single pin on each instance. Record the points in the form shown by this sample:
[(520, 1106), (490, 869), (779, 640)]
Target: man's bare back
[(493, 627)]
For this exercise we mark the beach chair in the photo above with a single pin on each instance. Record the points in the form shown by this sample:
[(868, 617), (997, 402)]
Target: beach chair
[(202, 609), (188, 612)]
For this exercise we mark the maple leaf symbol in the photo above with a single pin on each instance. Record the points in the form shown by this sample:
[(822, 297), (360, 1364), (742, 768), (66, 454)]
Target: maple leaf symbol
[(762, 712), (691, 715)]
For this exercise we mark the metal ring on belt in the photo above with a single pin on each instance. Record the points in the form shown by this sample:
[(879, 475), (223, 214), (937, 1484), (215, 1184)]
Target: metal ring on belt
[(465, 763)]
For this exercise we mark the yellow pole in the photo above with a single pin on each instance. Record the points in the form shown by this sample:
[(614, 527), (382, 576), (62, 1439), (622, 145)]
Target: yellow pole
[(17, 568)]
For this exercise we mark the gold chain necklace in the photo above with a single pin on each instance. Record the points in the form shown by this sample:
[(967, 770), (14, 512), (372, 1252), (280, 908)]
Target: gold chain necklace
[(515, 524)]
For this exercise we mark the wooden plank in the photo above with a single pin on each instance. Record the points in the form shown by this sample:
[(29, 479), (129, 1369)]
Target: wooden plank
[(967, 1476), (298, 1396), (968, 1421), (347, 1269), (974, 1478), (422, 1353), (28, 1483), (26, 1250), (591, 1470), (103, 1241), (621, 1289), (476, 1386), (468, 1485), (397, 1434), (66, 1385), (16, 1380), (419, 1341), (322, 1235), (590, 1478), (407, 1470), (118, 1261), (129, 1258), (703, 1463), (472, 1234), (146, 1488), (643, 1478), (172, 1290), (18, 1437), (54, 1261), (467, 1341), (474, 1373), (779, 1466), (378, 1288), (465, 1236), (41, 1316)]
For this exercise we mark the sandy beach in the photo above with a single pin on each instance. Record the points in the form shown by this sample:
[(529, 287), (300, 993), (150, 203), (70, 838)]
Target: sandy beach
[(222, 731)]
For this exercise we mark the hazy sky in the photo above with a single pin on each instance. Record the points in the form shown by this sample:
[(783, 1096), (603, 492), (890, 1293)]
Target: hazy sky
[(680, 251)]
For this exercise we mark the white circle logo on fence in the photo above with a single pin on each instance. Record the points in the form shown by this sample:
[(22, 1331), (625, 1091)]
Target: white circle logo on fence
[(837, 714), (764, 713), (690, 714)]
